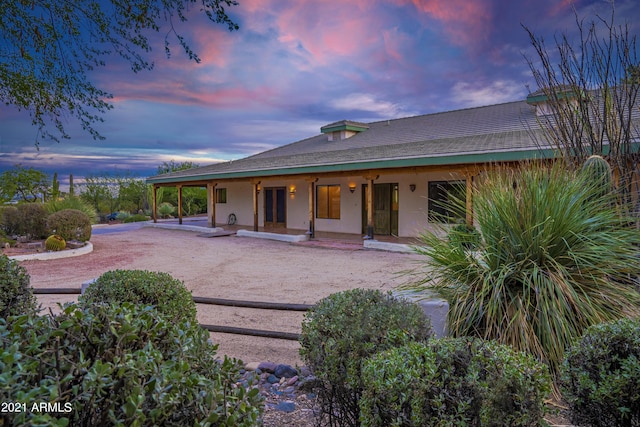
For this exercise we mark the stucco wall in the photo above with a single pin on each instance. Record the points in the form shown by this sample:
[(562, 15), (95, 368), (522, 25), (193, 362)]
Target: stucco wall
[(412, 206)]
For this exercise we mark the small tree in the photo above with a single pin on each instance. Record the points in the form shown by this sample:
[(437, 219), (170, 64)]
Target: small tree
[(591, 91), (50, 47), (27, 184)]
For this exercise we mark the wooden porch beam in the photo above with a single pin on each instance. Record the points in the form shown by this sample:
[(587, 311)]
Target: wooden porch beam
[(255, 204), (457, 168), (155, 203), (211, 202), (370, 219), (312, 212), (469, 199), (179, 204)]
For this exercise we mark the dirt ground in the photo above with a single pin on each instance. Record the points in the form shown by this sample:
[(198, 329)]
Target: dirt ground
[(234, 268)]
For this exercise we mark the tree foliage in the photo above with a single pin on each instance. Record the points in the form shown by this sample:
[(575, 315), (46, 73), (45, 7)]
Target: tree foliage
[(194, 200), (109, 193), (48, 48), (27, 184), (173, 166), (591, 91)]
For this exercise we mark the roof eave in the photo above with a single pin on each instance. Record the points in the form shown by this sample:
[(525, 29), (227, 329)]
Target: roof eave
[(436, 160)]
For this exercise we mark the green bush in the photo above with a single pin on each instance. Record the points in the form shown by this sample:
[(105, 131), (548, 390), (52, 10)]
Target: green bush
[(552, 261), (165, 210), (453, 382), (601, 375), (120, 365), (168, 295), (4, 239), (122, 216), (70, 224), (10, 220), (16, 294), (33, 221), (464, 236), (72, 202), (341, 332), (136, 218)]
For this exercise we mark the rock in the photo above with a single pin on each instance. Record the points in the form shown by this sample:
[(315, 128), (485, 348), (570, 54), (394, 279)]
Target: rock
[(75, 244), (286, 406), (286, 371), (252, 366), (292, 380), (268, 367), (305, 372), (272, 379)]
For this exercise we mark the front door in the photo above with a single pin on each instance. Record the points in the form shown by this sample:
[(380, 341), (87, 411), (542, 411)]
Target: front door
[(275, 207), (385, 209)]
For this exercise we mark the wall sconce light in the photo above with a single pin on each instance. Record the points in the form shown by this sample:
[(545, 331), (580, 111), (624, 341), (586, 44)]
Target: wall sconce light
[(412, 187), (352, 187), (258, 188), (292, 190)]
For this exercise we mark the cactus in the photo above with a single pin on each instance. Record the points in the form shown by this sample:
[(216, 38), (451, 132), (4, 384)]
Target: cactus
[(55, 243), (597, 170), (55, 187)]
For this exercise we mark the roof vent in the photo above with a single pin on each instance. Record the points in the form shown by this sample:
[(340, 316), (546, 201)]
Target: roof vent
[(543, 98), (343, 129)]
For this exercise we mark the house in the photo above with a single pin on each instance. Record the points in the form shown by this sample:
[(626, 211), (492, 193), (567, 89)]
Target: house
[(381, 178)]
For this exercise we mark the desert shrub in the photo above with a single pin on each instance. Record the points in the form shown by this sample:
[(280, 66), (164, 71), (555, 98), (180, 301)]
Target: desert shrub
[(601, 375), (453, 382), (72, 202), (10, 220), (552, 261), (165, 210), (32, 221), (120, 365), (136, 218), (16, 294), (4, 239), (70, 224), (168, 295), (122, 216), (341, 332), (464, 236)]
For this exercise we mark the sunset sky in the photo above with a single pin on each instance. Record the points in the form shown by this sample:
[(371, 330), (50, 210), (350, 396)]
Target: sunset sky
[(296, 65)]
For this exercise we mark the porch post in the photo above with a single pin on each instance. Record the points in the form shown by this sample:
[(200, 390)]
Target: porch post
[(370, 219), (179, 204), (312, 212), (469, 197), (211, 199), (255, 205), (155, 203)]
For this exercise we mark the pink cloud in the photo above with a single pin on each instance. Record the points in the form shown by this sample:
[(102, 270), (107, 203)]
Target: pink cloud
[(467, 23), (561, 7), (324, 28), (177, 93)]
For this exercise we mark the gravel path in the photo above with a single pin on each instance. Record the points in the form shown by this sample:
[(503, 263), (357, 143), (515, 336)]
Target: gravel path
[(233, 268)]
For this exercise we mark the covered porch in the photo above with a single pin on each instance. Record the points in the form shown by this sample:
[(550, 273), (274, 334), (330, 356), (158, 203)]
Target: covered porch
[(383, 204)]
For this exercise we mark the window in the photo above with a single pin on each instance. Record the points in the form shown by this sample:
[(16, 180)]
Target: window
[(221, 195), (328, 201), (447, 201)]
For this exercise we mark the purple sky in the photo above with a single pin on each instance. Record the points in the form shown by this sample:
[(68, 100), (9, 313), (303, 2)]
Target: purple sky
[(296, 65)]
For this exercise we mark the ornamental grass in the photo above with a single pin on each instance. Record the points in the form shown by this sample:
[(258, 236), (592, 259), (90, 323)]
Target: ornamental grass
[(553, 258)]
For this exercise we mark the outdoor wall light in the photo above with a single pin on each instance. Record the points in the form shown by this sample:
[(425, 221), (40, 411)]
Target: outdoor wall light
[(258, 189), (412, 187), (292, 190), (352, 187)]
